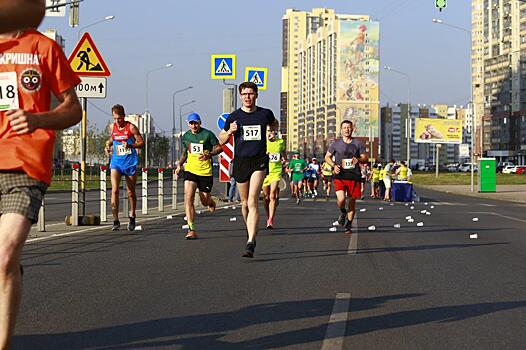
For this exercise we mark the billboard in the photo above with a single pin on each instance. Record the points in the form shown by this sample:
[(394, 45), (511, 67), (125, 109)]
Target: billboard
[(358, 63), (433, 130)]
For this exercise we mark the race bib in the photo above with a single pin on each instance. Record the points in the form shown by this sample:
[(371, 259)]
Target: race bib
[(252, 132), (8, 91), (196, 148), (347, 164), (274, 157), (297, 167), (122, 150)]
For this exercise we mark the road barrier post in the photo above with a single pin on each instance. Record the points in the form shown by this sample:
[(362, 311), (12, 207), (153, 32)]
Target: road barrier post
[(42, 218), (174, 190), (75, 194), (160, 189), (144, 191), (103, 192)]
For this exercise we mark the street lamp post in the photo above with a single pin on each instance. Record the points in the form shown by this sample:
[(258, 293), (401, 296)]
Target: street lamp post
[(181, 124), (173, 120), (408, 120), (147, 111), (107, 18), (471, 107)]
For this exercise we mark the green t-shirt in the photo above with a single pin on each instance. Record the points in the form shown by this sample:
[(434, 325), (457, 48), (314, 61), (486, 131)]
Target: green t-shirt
[(194, 146), (297, 166), (274, 149)]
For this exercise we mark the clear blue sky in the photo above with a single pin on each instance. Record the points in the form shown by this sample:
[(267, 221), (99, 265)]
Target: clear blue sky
[(148, 34)]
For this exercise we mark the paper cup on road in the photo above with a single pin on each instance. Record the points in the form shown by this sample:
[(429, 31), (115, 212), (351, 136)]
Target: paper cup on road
[(233, 219), (185, 227), (372, 228), (169, 217), (380, 208), (335, 223), (198, 212), (426, 203), (407, 204), (185, 218), (411, 207), (396, 225), (333, 229), (363, 210), (420, 224), (423, 211), (408, 217), (473, 236), (411, 220), (428, 213), (233, 207), (391, 204), (138, 228), (432, 207), (475, 219)]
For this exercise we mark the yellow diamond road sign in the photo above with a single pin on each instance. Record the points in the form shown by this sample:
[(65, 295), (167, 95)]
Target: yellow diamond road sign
[(86, 60)]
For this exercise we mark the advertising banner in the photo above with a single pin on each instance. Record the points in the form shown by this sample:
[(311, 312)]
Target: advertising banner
[(433, 130)]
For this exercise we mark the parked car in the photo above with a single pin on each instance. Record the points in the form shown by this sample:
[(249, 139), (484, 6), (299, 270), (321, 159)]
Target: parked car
[(521, 170), (454, 167), (509, 169), (502, 165), (466, 167)]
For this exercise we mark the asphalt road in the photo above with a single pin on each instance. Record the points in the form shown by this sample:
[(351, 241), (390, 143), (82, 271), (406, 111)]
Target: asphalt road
[(428, 287)]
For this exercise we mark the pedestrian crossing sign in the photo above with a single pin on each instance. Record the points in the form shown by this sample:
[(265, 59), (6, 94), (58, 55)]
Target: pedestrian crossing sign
[(86, 60), (258, 76), (223, 66)]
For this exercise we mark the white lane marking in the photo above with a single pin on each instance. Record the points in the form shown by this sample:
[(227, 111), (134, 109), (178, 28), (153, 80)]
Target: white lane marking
[(449, 203), (496, 214), (337, 325), (488, 205), (284, 199), (353, 242)]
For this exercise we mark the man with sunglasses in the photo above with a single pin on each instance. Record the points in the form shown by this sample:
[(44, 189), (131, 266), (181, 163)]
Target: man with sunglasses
[(199, 146), (249, 127)]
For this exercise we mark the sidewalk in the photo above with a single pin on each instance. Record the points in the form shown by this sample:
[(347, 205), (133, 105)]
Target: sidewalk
[(513, 193)]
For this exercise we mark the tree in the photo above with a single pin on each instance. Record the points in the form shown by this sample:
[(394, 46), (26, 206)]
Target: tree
[(159, 148)]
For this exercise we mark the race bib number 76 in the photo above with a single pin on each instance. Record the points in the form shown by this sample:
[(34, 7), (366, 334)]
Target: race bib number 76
[(8, 91)]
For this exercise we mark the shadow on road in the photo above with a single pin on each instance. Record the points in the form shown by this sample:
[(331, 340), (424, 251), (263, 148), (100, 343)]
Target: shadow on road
[(205, 331)]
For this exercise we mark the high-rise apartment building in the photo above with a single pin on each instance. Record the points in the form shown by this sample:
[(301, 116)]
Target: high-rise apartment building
[(499, 76), (329, 74)]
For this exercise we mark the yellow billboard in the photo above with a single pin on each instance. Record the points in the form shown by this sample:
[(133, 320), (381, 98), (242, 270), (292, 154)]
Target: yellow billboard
[(433, 130)]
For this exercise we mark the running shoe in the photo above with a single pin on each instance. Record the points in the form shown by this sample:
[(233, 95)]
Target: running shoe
[(270, 224), (116, 225), (348, 228), (298, 200), (342, 219), (249, 250), (191, 235), (131, 224), (212, 206)]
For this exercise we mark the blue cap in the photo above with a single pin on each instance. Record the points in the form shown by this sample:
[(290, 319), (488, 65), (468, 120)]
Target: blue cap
[(193, 117)]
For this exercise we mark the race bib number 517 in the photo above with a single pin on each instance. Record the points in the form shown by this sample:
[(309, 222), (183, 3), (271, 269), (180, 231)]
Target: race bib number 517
[(251, 132), (8, 91)]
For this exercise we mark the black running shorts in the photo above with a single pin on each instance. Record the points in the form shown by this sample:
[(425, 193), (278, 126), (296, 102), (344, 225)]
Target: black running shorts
[(204, 183), (245, 167)]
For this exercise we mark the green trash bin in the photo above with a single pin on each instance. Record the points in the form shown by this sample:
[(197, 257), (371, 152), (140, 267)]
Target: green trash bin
[(487, 175)]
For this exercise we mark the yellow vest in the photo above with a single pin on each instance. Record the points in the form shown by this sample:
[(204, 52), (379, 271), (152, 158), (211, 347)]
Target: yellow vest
[(382, 174), (403, 173), (376, 175)]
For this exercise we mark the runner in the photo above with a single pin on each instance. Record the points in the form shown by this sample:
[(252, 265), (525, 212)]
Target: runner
[(387, 179), (326, 175), (249, 127), (297, 166), (364, 170), (277, 157), (124, 140), (381, 184), (314, 179), (375, 181), (306, 176), (348, 152), (27, 137), (199, 146)]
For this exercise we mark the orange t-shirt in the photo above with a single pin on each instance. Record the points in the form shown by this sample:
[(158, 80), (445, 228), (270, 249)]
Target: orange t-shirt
[(41, 69)]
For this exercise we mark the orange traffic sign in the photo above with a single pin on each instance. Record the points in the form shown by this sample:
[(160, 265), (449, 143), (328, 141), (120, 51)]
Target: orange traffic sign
[(86, 60)]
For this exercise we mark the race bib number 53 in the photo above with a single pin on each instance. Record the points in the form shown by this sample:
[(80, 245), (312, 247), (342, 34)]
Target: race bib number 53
[(196, 148), (252, 132), (8, 91)]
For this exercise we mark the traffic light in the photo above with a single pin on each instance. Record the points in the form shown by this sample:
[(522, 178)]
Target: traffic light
[(440, 4)]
